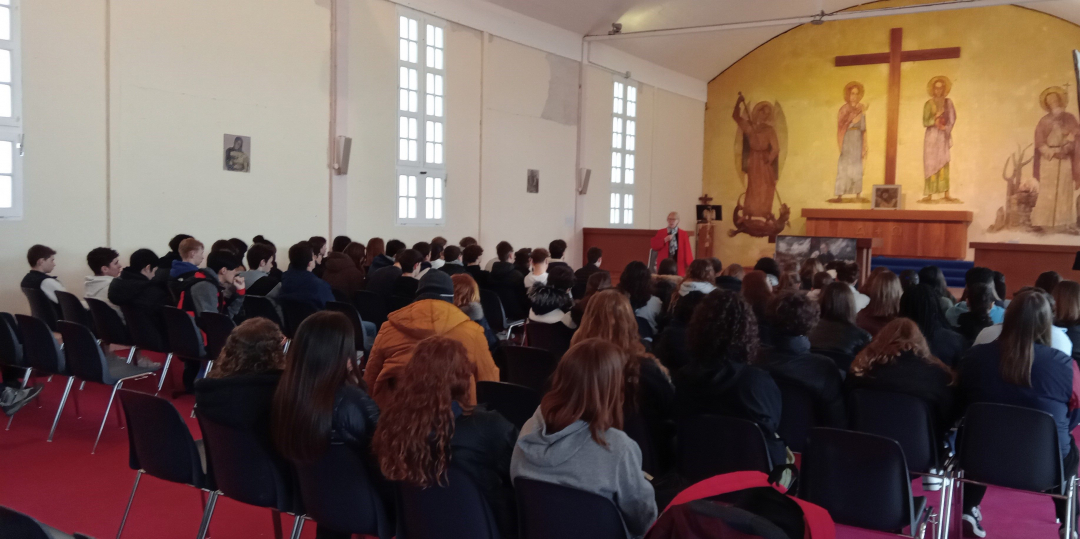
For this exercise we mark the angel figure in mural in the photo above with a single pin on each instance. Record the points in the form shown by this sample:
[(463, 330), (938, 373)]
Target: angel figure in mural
[(758, 158), (1056, 166), (939, 117), (851, 138)]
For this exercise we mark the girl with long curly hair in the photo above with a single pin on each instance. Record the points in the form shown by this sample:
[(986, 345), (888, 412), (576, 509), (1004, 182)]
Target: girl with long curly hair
[(636, 281), (649, 396), (430, 427)]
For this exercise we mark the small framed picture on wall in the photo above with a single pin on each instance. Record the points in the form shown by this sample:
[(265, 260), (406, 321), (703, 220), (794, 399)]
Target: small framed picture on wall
[(886, 197), (237, 153)]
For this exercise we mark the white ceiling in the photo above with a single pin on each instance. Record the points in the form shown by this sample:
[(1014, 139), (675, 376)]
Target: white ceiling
[(700, 55)]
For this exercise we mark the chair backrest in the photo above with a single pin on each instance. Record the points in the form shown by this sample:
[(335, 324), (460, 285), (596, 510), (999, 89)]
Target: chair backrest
[(711, 445), (554, 338), (246, 468), (185, 339), (530, 367), (40, 349), (841, 359), (516, 403), (899, 417), (41, 308), (456, 511), (394, 303), (17, 525), (72, 309), (371, 307), (11, 348), (797, 415), (159, 440), (338, 492), (147, 327), (217, 328), (493, 310), (860, 479), (1010, 446), (261, 306), (547, 511), (108, 326), (351, 313), (84, 356), (295, 312)]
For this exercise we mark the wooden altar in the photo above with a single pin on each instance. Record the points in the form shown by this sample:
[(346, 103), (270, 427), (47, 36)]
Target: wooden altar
[(903, 233)]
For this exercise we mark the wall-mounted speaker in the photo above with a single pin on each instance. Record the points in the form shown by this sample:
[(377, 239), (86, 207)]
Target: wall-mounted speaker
[(341, 154), (583, 185)]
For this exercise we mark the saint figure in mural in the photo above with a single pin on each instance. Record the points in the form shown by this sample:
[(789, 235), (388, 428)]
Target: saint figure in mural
[(759, 163), (1056, 164), (939, 117), (851, 138)]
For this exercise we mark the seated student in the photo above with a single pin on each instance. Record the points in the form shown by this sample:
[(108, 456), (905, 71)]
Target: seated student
[(523, 261), (848, 274), (467, 241), (165, 262), (593, 258), (217, 288), (933, 277), (42, 260), (771, 269), (792, 315), (383, 281), (720, 378), (1058, 338), (575, 438), (789, 282), (1001, 289), (538, 273), (470, 256), (433, 313), (599, 281), (224, 245), (509, 283), (274, 272), (1047, 281), (1067, 312), (821, 280), (319, 251), (375, 249), (339, 244), (437, 248), (341, 271), (405, 286), (240, 246), (503, 252), (557, 248), (757, 291), (884, 292), (636, 282), (908, 279), (384, 259), (921, 305), (424, 248), (731, 278), (105, 263), (975, 276), (980, 300), (1021, 369), (666, 282), (670, 346), (139, 284), (809, 268), (319, 400), (434, 426), (551, 301), (257, 279), (467, 298), (699, 278), (452, 261), (836, 330), (299, 283)]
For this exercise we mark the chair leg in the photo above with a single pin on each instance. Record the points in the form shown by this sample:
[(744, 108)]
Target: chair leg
[(209, 366), (131, 354), (276, 516), (1070, 510), (204, 527), (63, 400), (75, 401), (164, 372), (298, 527), (138, 476), (82, 385), (25, 381), (106, 418), (946, 506)]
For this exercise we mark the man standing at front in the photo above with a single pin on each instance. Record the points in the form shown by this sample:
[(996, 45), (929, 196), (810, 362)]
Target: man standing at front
[(671, 242)]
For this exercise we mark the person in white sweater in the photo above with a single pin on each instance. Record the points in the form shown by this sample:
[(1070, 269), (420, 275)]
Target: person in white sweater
[(539, 268), (105, 263)]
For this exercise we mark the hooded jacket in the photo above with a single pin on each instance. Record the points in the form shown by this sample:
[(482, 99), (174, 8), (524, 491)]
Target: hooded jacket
[(573, 459), (406, 327), (133, 288), (509, 284), (695, 286), (303, 286), (199, 290), (97, 287), (342, 274)]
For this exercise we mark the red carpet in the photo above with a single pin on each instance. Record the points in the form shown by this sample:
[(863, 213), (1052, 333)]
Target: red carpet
[(62, 484)]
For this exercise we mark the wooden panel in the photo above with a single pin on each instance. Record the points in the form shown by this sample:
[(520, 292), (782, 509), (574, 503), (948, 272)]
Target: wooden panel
[(930, 54), (1022, 263), (903, 233), (888, 215), (621, 246), (862, 59)]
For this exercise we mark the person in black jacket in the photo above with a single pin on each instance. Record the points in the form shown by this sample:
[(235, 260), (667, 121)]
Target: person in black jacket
[(980, 299), (470, 256), (508, 282), (593, 258), (1067, 312), (836, 333), (432, 428), (792, 315), (320, 400), (721, 378), (921, 304), (670, 346), (140, 283)]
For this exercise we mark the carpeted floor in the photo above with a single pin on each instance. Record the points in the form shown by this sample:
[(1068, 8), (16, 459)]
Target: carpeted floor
[(62, 484)]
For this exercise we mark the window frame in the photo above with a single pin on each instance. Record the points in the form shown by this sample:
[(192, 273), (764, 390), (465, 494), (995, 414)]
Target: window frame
[(11, 128), (623, 149)]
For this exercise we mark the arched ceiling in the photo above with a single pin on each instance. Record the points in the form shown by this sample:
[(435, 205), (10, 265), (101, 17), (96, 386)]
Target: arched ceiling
[(699, 55)]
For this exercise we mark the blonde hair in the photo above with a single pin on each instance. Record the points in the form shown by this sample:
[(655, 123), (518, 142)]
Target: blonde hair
[(189, 246), (885, 291), (466, 290)]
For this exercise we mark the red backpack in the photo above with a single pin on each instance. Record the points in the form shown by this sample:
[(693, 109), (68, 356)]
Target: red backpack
[(747, 506)]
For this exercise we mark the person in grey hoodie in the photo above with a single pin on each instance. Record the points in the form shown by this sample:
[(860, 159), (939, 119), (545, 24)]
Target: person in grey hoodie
[(105, 263), (557, 446)]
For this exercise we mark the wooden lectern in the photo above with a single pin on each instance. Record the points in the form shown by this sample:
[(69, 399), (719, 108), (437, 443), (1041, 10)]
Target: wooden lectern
[(621, 246), (904, 233), (1022, 263)]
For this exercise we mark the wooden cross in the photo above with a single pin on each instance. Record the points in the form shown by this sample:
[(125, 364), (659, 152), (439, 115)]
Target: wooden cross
[(895, 55), (705, 199)]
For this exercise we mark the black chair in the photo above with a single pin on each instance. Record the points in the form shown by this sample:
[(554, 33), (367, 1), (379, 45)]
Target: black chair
[(185, 341), (529, 367), (841, 359), (160, 445), (109, 327), (711, 445), (516, 403), (87, 361), (17, 525), (396, 303), (493, 310), (1012, 447), (147, 327), (797, 415), (554, 338), (295, 312), (72, 309), (456, 511), (350, 311), (339, 295), (899, 417), (245, 467), (550, 511), (41, 307), (261, 306), (862, 481), (217, 328), (44, 355), (371, 307), (12, 358), (338, 493)]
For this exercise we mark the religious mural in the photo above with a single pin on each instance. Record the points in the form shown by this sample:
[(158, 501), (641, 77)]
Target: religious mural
[(939, 117), (759, 156), (851, 139)]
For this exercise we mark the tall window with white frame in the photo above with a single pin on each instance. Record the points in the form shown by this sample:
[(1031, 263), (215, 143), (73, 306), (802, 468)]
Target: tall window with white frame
[(11, 180), (421, 165), (623, 143)]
